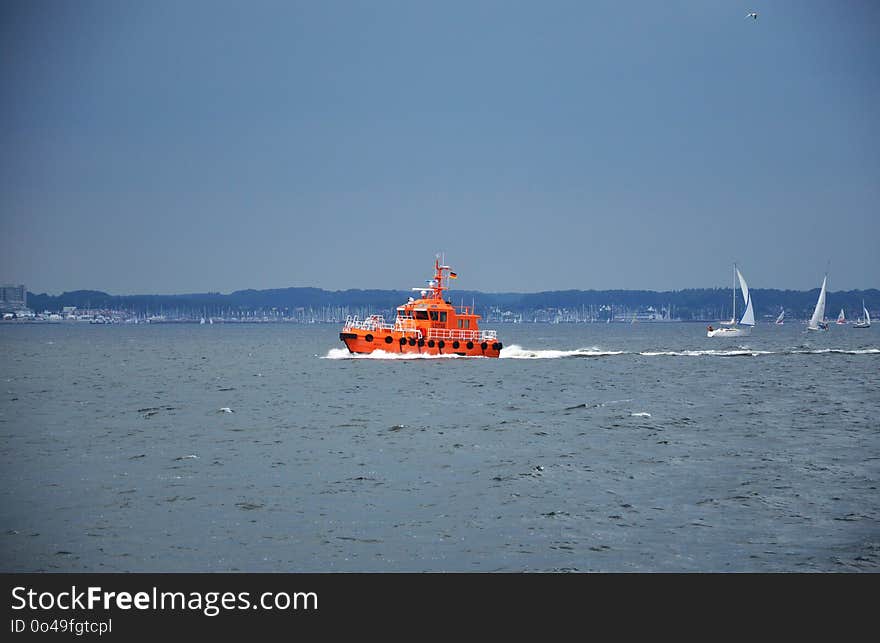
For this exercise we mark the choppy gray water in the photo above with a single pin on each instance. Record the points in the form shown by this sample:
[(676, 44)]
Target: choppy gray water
[(602, 448)]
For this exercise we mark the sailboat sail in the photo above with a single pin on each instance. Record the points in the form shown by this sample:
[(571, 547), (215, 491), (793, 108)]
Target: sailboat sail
[(819, 311), (841, 318), (867, 316), (781, 317), (748, 318)]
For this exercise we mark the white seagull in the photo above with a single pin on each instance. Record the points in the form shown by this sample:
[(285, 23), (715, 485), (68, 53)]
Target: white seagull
[(753, 15)]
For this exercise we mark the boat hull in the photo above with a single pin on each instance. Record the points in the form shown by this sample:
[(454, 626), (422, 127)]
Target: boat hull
[(728, 332), (362, 342)]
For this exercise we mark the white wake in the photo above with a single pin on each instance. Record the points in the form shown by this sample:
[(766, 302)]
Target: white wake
[(518, 352), (839, 351), (708, 352)]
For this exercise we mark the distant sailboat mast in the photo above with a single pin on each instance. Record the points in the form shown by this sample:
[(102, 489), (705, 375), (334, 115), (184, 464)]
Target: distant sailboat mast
[(732, 321), (733, 316)]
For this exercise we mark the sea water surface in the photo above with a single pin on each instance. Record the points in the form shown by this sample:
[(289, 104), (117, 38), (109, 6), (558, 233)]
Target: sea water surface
[(618, 447)]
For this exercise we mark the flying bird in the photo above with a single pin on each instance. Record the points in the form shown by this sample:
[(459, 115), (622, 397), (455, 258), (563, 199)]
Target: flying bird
[(753, 15)]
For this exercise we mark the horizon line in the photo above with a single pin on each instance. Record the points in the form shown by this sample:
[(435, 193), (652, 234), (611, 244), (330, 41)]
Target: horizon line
[(400, 290)]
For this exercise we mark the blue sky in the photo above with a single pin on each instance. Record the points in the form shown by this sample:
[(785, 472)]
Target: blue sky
[(186, 146)]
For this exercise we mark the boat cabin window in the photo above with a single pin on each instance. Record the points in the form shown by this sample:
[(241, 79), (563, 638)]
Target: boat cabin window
[(443, 315), (421, 314), (464, 323), (433, 314)]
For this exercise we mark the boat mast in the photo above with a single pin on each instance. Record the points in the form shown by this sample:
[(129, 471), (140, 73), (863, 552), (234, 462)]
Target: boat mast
[(438, 277), (733, 317)]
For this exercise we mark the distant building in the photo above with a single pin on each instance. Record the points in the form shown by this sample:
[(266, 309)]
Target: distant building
[(13, 298)]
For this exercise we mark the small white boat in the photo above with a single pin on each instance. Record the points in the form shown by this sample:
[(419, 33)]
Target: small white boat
[(779, 319), (841, 318), (863, 322), (748, 318), (817, 321)]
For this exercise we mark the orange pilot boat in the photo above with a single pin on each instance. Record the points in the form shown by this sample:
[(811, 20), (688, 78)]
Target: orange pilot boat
[(428, 325)]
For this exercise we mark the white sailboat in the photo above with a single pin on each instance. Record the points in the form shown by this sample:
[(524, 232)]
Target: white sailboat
[(748, 318), (863, 322), (779, 319), (841, 318), (817, 321)]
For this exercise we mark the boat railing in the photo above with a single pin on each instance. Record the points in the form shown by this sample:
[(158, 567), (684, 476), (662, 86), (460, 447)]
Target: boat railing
[(373, 322), (461, 334), (405, 325)]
